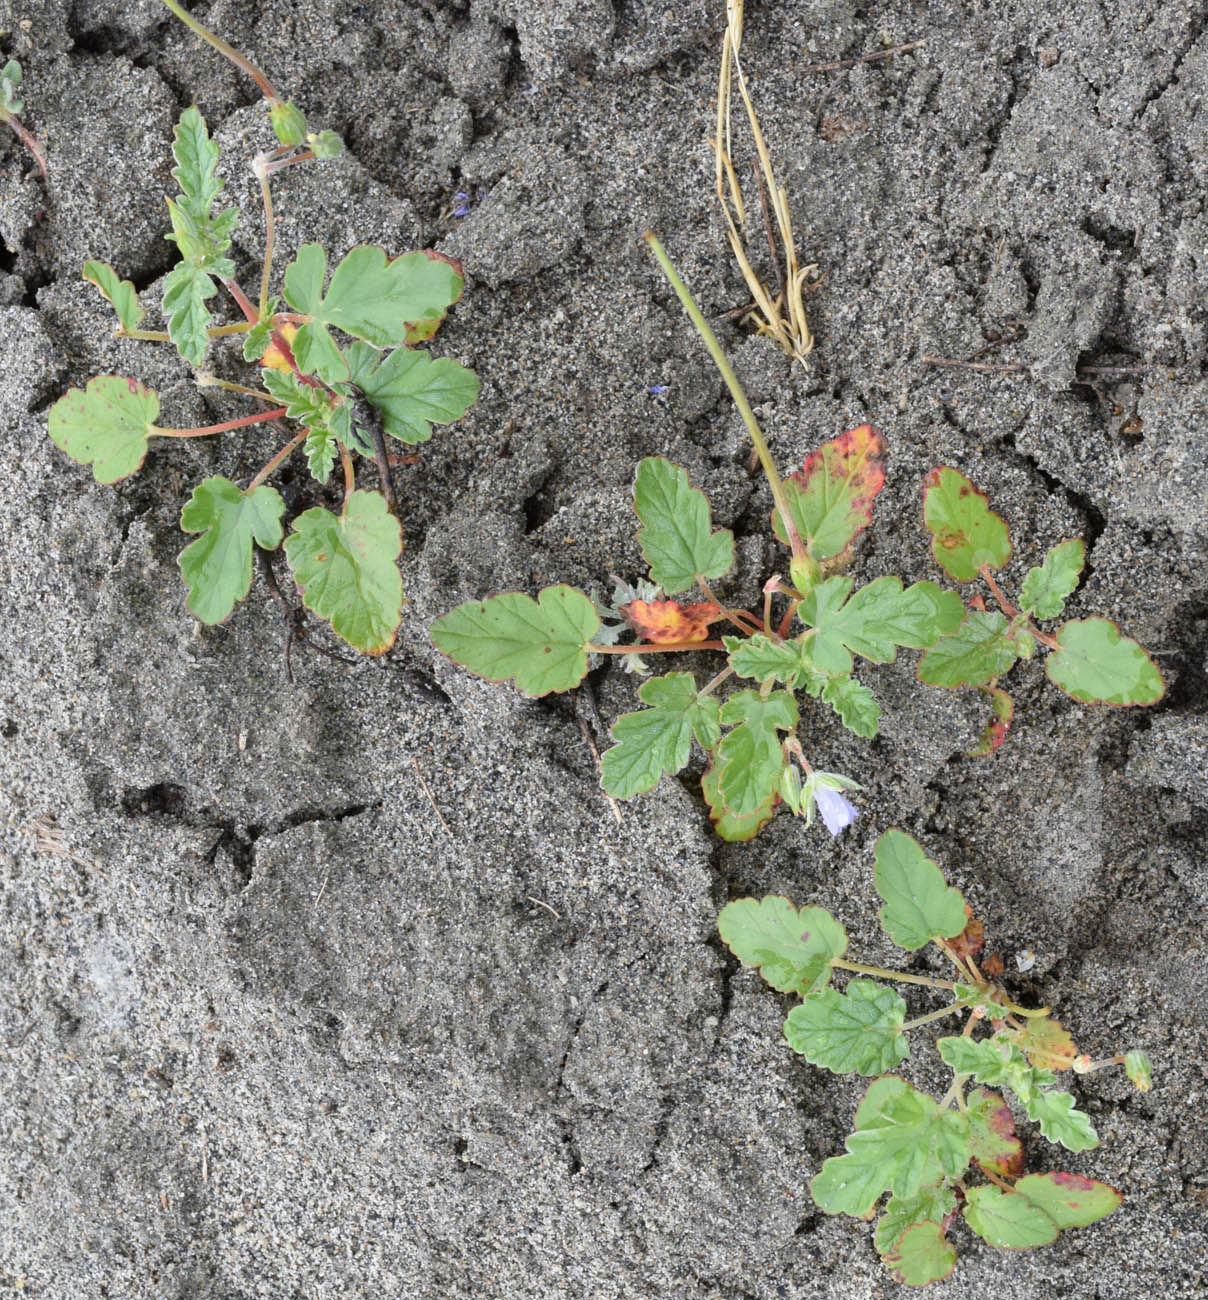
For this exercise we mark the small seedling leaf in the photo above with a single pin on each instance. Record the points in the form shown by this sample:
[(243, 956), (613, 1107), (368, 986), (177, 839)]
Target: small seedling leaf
[(345, 568), (1059, 1121), (875, 620), (1046, 1043), (410, 390), (932, 1204), (1046, 587), (976, 653), (919, 903), (733, 829), (658, 739), (966, 533), (750, 758), (196, 158), (831, 497), (542, 643), (995, 731), (1008, 1220), (321, 412), (676, 536), (10, 79), (992, 1139), (791, 949), (855, 704), (763, 659), (860, 1030), (1139, 1070), (1095, 664), (121, 294), (105, 425), (922, 1254), (328, 144), (217, 567), (668, 622), (1070, 1200)]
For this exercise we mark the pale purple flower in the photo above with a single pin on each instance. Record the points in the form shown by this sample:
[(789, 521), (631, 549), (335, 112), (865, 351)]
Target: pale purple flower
[(463, 207), (657, 390), (837, 812)]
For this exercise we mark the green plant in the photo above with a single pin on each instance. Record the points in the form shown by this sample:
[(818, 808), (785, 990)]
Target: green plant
[(923, 1152), (344, 565), (805, 645), (11, 107), (1089, 660)]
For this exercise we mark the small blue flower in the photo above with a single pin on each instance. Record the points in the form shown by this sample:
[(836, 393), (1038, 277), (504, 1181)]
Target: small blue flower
[(463, 206), (837, 812), (657, 390)]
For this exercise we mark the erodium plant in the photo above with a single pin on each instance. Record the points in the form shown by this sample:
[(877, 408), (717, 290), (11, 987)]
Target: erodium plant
[(960, 1156), (325, 399), (11, 108)]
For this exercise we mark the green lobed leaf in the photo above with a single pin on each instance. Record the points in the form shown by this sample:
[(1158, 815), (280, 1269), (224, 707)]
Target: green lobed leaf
[(187, 289), (1046, 587), (919, 904), (196, 158), (903, 1142), (831, 498), (750, 758), (345, 568), (860, 1030), (875, 620), (676, 536), (993, 1142), (922, 1254), (966, 534), (659, 739), (932, 1204), (731, 828), (1007, 1220), (120, 294), (321, 451), (410, 390), (1059, 1121), (791, 949), (217, 567), (976, 653), (854, 703), (371, 297), (1070, 1200), (763, 659), (105, 425), (257, 339), (1095, 664), (542, 643), (325, 416)]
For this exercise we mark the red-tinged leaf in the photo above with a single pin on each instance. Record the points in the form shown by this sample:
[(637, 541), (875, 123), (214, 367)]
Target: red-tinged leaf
[(971, 939), (922, 1254), (993, 1141), (1070, 1200), (995, 730), (831, 496), (966, 534), (420, 331), (1047, 1044), (993, 966), (665, 622)]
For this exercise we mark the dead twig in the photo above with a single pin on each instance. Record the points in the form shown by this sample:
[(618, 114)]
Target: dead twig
[(585, 732), (841, 65), (431, 800)]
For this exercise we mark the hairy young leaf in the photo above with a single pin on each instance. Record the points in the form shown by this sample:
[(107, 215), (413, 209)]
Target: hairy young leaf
[(762, 658), (1059, 1121), (992, 1139), (875, 620), (345, 568), (922, 1254), (932, 1204), (542, 643), (187, 289), (10, 79), (750, 759), (410, 390), (676, 536), (196, 158), (729, 827), (371, 297), (791, 949), (1070, 1200), (976, 653), (105, 425), (1046, 587), (326, 418), (966, 533), (995, 731), (919, 903), (831, 497), (1095, 664), (121, 294), (669, 622), (905, 1144), (1008, 1220), (658, 739), (855, 704), (217, 567), (859, 1030)]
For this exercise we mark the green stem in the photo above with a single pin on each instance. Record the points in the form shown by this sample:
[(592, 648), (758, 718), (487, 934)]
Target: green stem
[(932, 1015), (244, 64), (159, 336), (735, 616), (713, 683), (240, 388), (881, 973), (349, 478), (243, 420), (652, 649), (740, 398), (262, 177), (289, 448)]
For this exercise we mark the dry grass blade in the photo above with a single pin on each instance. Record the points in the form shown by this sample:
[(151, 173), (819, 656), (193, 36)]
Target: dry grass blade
[(782, 316)]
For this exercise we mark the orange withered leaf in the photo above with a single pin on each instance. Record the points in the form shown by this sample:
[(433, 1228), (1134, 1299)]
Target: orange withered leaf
[(1047, 1045), (274, 358), (971, 939), (663, 622)]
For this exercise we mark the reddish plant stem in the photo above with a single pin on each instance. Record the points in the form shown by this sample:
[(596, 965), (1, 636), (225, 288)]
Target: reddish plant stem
[(349, 477), (1012, 613), (291, 446), (653, 649), (243, 301), (18, 129), (275, 414)]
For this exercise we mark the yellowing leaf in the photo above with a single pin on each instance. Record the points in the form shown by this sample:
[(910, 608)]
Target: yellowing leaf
[(1047, 1044)]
